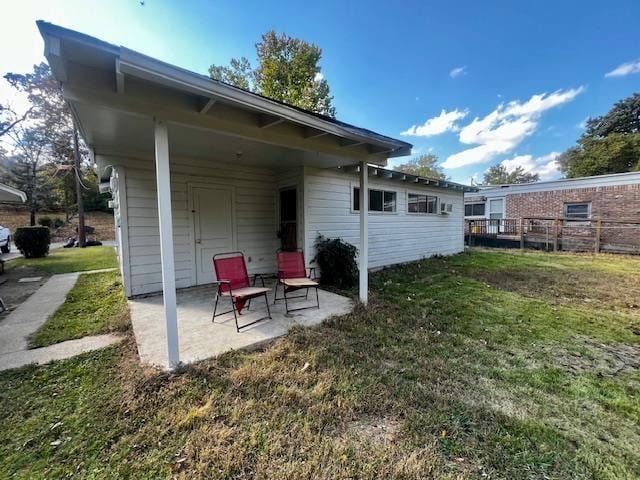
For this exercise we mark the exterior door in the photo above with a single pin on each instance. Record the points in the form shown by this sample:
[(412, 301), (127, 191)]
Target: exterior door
[(496, 214), (289, 219), (213, 225)]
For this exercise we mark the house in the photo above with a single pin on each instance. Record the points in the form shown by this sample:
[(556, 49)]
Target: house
[(612, 200), (198, 167)]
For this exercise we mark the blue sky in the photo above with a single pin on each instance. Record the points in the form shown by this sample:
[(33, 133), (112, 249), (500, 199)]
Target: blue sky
[(474, 82)]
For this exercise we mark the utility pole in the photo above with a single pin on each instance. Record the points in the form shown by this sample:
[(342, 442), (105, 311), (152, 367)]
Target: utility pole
[(76, 154)]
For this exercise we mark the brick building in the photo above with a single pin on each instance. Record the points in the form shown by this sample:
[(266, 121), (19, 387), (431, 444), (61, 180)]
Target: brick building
[(575, 202)]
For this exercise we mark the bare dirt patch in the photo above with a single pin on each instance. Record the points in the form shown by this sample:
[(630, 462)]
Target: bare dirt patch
[(606, 359), (378, 430)]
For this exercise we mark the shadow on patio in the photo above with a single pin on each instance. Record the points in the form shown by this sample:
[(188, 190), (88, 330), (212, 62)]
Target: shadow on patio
[(201, 339)]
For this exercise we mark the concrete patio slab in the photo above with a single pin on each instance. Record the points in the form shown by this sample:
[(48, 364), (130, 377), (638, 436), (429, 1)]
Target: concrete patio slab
[(200, 338)]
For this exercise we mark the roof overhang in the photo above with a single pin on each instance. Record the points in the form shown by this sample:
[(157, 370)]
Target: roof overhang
[(385, 173), (116, 93), (11, 195)]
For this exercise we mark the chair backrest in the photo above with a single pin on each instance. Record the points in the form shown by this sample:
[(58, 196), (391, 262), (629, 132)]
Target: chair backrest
[(231, 267), (291, 264)]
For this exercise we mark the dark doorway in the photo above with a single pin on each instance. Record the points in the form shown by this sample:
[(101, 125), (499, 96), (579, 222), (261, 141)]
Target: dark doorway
[(288, 219)]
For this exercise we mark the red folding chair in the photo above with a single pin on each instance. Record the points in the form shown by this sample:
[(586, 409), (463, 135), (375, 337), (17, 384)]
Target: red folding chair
[(292, 275), (233, 282)]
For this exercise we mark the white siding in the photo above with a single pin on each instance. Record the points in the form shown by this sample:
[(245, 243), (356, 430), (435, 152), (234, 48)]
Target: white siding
[(255, 218), (393, 237)]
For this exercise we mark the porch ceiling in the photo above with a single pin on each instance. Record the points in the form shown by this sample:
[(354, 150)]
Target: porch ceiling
[(116, 94)]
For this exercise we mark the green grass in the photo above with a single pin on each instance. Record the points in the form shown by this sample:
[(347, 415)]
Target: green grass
[(460, 368), (96, 304), (66, 260)]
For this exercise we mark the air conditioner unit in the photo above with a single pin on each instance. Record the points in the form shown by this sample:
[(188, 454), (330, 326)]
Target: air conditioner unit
[(446, 208)]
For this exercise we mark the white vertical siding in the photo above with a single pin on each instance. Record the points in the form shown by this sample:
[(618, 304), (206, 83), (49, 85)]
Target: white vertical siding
[(393, 237)]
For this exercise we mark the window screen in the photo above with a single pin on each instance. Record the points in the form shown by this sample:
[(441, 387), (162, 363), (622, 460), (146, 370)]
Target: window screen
[(379, 200), (474, 210), (577, 210)]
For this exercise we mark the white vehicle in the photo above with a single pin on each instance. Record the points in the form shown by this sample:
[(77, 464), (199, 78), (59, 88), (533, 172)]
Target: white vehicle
[(5, 239)]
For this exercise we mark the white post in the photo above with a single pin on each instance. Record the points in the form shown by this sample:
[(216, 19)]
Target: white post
[(163, 182), (363, 254)]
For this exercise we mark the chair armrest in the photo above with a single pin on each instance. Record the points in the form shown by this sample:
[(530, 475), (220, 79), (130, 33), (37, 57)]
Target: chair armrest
[(312, 269)]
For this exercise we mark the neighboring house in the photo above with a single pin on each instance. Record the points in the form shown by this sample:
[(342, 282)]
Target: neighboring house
[(613, 200), (237, 171), (612, 197)]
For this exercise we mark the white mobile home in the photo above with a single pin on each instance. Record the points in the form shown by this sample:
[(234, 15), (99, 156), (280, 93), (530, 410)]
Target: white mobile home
[(198, 167)]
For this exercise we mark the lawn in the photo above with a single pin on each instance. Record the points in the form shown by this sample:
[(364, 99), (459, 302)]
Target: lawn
[(65, 260), (96, 304), (482, 365)]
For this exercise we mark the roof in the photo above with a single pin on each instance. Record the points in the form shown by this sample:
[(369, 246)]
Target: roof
[(126, 62), (627, 178), (10, 194)]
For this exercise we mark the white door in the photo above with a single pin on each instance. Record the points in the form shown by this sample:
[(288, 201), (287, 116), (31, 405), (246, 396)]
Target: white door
[(213, 224), (496, 214)]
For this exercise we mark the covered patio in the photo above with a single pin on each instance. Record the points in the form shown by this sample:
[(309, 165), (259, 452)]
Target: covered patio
[(200, 338), (199, 167)]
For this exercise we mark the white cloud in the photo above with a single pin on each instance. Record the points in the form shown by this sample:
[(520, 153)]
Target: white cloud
[(546, 166), (457, 72), (318, 77), (445, 122), (625, 69), (505, 128)]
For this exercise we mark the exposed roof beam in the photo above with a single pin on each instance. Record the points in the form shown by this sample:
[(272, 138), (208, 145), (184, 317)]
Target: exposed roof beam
[(347, 142), (119, 78), (266, 120), (310, 132), (207, 104)]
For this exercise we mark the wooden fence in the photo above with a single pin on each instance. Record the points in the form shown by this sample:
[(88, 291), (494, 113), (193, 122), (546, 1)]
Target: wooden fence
[(557, 233)]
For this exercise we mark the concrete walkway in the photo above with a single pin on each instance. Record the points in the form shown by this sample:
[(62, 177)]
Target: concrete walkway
[(31, 315)]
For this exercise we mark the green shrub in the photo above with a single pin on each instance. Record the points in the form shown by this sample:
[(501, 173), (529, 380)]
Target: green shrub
[(45, 222), (58, 222), (337, 262), (33, 242)]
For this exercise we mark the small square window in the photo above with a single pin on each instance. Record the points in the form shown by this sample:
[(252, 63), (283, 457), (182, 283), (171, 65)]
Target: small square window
[(474, 210), (577, 210)]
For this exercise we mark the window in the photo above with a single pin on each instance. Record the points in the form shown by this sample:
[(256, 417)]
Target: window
[(418, 203), (379, 200), (474, 210), (577, 210), (496, 208)]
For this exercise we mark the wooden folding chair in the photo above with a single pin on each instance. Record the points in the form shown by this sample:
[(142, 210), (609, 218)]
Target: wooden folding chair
[(292, 276), (233, 282)]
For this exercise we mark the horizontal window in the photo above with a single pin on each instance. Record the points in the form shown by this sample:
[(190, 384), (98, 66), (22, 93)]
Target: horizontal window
[(418, 203), (379, 200), (474, 210), (577, 210)]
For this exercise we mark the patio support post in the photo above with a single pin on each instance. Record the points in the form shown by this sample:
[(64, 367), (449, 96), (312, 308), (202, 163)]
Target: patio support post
[(163, 182), (363, 254)]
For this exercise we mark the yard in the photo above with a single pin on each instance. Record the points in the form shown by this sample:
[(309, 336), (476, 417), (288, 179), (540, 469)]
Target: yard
[(482, 365)]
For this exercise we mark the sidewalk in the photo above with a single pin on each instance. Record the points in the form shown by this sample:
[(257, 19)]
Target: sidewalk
[(33, 313)]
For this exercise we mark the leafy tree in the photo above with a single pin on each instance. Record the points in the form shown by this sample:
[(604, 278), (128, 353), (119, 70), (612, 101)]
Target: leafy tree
[(423, 166), (624, 117), (614, 153), (610, 143), (499, 175), (288, 71)]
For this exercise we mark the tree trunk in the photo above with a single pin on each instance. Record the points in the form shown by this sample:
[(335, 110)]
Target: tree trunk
[(34, 206), (76, 151)]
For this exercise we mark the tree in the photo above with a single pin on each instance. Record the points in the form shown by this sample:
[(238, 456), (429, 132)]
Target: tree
[(609, 144), (624, 118), (499, 175), (49, 119), (614, 153), (423, 166), (288, 71)]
